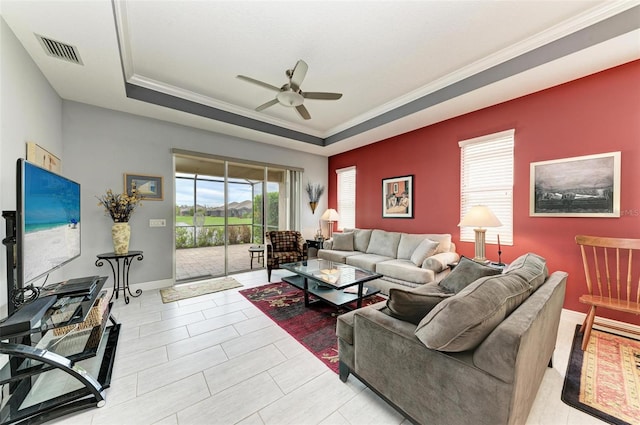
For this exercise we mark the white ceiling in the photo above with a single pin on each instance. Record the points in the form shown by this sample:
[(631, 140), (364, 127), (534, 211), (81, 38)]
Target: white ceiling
[(401, 65)]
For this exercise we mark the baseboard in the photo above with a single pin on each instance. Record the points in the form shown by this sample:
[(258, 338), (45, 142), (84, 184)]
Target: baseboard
[(609, 325), (164, 283), (154, 284)]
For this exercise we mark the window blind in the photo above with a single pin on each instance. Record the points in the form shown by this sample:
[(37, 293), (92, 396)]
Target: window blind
[(487, 179), (347, 197)]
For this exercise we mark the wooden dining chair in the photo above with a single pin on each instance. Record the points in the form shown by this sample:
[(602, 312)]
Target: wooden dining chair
[(608, 269)]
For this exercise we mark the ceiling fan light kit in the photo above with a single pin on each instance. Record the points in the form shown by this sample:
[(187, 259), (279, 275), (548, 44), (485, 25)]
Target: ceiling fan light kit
[(290, 98), (290, 94)]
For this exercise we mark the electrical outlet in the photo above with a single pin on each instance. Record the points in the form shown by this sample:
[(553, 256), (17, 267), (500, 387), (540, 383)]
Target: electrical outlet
[(157, 222)]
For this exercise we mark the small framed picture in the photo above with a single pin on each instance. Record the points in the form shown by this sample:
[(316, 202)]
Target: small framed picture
[(397, 197), (40, 156), (149, 187)]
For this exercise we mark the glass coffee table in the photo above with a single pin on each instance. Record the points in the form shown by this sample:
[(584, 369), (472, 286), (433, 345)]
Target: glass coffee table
[(335, 283)]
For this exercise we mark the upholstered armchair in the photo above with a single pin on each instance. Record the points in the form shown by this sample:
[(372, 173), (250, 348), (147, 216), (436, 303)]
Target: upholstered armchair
[(284, 246)]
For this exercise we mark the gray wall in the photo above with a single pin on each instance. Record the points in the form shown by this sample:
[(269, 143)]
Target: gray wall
[(100, 145), (96, 147), (30, 111)]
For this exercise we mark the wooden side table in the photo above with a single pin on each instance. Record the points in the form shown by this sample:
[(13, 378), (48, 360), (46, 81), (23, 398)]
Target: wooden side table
[(120, 265), (314, 244)]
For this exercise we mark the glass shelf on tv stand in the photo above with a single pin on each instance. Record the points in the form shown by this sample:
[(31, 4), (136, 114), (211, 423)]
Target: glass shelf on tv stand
[(63, 364)]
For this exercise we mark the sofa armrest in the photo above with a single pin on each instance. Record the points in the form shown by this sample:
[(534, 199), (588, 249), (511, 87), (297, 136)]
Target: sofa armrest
[(440, 262), (327, 244), (521, 346)]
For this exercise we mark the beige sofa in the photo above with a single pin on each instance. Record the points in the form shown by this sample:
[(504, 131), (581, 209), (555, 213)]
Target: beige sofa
[(404, 259)]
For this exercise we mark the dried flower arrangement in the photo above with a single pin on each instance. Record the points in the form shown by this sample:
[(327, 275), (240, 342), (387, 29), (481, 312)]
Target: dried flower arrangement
[(120, 206), (314, 191)]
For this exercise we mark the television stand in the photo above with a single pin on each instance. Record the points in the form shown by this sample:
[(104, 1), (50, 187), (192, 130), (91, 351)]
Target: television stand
[(62, 364)]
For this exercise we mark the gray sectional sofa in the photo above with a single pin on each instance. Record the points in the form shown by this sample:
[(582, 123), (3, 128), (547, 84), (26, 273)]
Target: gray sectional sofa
[(477, 355), (404, 259)]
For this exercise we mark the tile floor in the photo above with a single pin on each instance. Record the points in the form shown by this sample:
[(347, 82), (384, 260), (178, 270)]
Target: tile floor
[(217, 359)]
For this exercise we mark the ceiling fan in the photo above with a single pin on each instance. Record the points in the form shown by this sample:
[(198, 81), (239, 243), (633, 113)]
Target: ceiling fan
[(290, 94)]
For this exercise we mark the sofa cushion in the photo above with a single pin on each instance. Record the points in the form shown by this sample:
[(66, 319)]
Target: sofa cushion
[(462, 321), (366, 261), (530, 267), (412, 305), (384, 243), (343, 241), (466, 272), (405, 270), (425, 249), (361, 238)]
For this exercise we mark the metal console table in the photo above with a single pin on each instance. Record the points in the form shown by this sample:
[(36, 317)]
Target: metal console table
[(120, 265)]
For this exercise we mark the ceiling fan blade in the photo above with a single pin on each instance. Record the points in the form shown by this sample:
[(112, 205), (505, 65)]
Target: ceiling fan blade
[(266, 105), (298, 74), (321, 95), (303, 112), (258, 82)]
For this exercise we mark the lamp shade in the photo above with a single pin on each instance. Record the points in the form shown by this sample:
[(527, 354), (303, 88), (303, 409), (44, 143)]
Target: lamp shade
[(330, 215), (480, 216)]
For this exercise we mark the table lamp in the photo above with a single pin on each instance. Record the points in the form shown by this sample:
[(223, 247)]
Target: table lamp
[(480, 217), (331, 216)]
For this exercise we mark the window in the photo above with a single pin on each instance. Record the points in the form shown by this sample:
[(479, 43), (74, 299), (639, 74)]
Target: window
[(487, 179), (347, 197)]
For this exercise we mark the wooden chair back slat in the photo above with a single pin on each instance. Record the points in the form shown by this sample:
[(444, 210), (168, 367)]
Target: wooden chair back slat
[(606, 268), (629, 278)]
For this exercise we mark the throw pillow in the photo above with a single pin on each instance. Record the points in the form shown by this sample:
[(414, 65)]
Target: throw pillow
[(466, 272), (530, 267), (411, 305), (343, 241), (464, 320), (408, 244), (426, 249)]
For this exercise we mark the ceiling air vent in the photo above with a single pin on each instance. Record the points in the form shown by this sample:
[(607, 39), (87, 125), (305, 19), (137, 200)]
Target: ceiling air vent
[(60, 50)]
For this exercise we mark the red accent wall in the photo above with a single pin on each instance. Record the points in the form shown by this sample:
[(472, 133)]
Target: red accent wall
[(595, 114)]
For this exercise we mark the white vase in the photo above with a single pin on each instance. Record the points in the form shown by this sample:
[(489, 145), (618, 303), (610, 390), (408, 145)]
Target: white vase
[(121, 233)]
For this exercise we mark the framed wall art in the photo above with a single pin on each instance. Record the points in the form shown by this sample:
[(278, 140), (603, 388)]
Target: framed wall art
[(397, 197), (582, 186), (150, 187)]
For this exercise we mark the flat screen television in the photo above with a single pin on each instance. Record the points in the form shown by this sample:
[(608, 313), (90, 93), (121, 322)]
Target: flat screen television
[(47, 222)]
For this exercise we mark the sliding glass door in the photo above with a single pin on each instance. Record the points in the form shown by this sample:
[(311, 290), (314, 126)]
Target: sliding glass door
[(223, 207)]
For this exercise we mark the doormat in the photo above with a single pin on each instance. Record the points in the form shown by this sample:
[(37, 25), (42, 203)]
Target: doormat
[(181, 292), (604, 380), (313, 326)]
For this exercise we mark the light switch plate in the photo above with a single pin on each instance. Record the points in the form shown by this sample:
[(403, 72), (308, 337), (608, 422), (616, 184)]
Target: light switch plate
[(157, 222)]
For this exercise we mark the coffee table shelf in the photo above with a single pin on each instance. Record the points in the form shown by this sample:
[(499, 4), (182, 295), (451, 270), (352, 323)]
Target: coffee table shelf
[(334, 297), (328, 281)]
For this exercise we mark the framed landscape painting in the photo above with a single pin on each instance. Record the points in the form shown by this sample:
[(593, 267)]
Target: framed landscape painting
[(582, 186), (150, 187), (397, 197)]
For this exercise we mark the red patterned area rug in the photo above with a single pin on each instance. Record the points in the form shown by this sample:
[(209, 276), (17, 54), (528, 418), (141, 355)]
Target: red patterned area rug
[(313, 326), (604, 380)]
